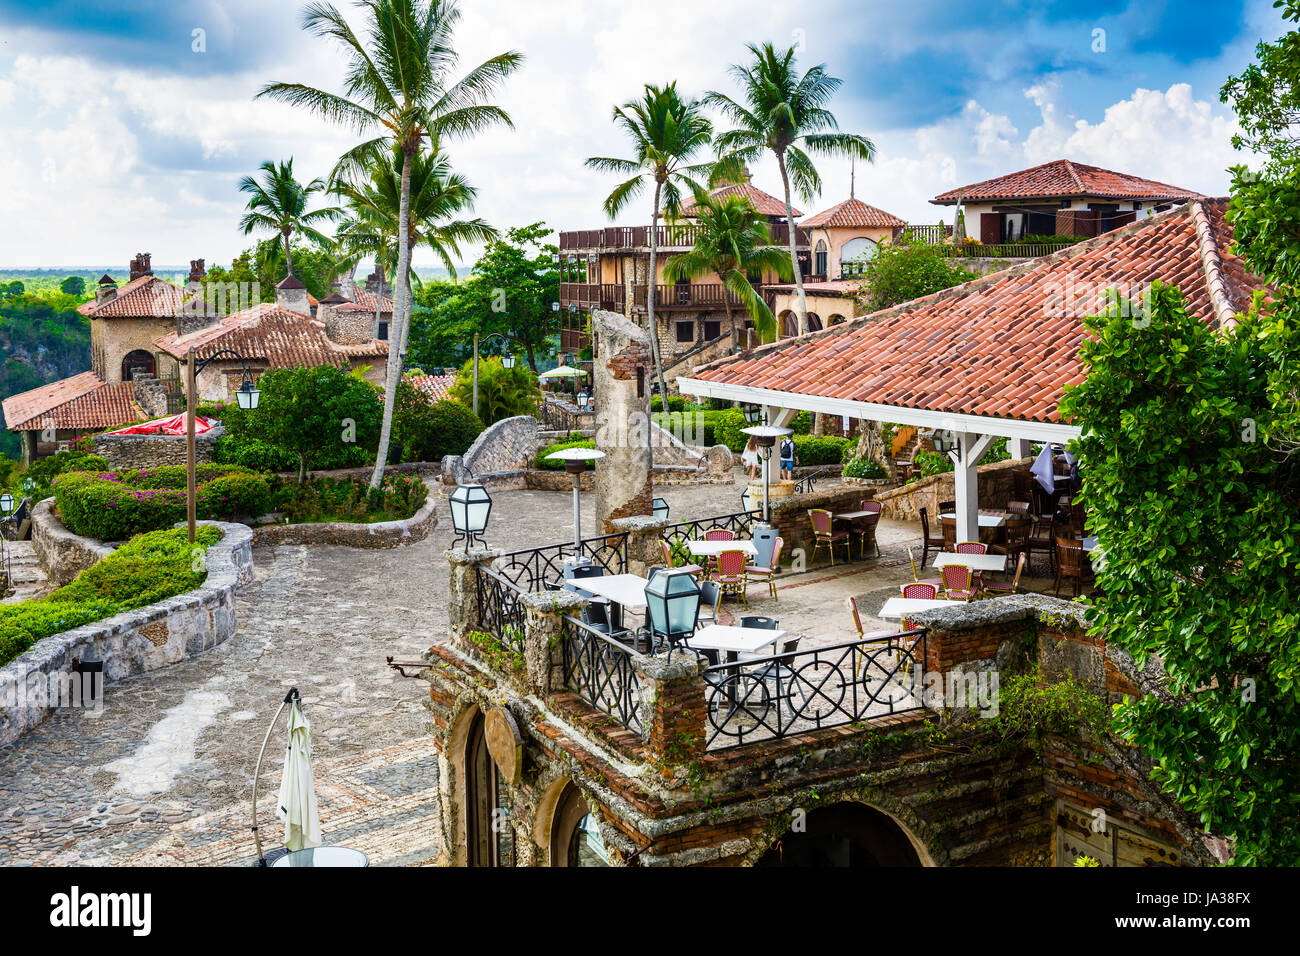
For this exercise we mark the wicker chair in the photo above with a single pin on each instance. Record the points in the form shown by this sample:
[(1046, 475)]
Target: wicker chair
[(994, 587), (667, 553), (957, 582), (865, 528), (825, 534), (1069, 563), (888, 638), (716, 534), (730, 574), (937, 582), (920, 591), (767, 575), (928, 540)]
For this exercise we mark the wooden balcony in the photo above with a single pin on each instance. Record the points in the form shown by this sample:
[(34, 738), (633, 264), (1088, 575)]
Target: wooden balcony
[(592, 295), (637, 238), (695, 295)]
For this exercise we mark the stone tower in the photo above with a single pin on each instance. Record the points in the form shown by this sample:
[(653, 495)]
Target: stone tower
[(622, 382)]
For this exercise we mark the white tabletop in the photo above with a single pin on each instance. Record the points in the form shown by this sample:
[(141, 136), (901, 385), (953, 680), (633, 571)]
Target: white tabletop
[(896, 607), (711, 549), (976, 562), (625, 589), (728, 637), (855, 514), (986, 521)]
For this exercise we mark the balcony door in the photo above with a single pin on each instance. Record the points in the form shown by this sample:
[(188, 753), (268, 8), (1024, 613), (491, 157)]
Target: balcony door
[(489, 837)]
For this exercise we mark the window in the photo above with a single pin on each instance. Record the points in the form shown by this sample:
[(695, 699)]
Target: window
[(383, 332), (820, 268), (712, 330), (685, 332)]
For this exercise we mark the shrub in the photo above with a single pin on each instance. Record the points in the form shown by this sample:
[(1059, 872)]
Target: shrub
[(676, 403), (573, 441), (111, 505), (40, 474), (726, 429), (802, 423), (427, 431), (863, 467), (147, 569), (502, 392), (820, 450), (350, 499)]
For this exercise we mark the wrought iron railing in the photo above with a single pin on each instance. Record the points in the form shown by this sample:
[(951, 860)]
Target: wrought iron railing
[(1003, 250), (501, 612), (541, 569), (769, 698), (599, 670), (676, 535)]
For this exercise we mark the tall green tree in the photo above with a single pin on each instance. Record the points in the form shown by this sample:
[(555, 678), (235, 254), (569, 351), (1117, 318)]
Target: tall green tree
[(905, 270), (516, 278), (398, 86), (784, 113), (1266, 96), (732, 241), (667, 131), (279, 203)]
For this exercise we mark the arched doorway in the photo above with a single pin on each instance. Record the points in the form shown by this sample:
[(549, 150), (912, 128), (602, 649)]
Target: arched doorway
[(789, 324), (843, 834), (489, 837), (138, 362), (819, 259), (575, 834), (814, 322), (835, 319)]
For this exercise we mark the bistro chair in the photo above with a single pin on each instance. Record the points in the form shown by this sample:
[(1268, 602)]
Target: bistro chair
[(759, 621), (578, 572), (949, 526), (1018, 530), (780, 672), (1043, 539), (946, 507), (1069, 563), (823, 533), (1022, 483), (916, 577), (865, 528), (972, 547), (920, 592), (995, 587), (716, 534), (888, 638), (928, 541), (710, 597), (767, 575), (666, 550), (730, 574), (957, 582)]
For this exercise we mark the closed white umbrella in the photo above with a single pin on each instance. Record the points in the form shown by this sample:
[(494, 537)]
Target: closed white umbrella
[(1044, 469), (297, 805)]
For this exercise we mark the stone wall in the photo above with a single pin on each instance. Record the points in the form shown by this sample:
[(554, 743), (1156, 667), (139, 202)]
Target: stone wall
[(621, 378), (132, 642), (995, 490), (378, 534), (504, 446), (61, 554), (143, 451), (563, 416)]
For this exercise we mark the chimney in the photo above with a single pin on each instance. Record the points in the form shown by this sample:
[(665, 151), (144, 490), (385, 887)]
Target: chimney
[(292, 295), (197, 270), (140, 265), (325, 310), (372, 281), (106, 289)]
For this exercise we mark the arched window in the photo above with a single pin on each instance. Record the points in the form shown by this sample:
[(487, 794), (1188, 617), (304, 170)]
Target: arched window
[(789, 324), (575, 834), (835, 319), (854, 251), (138, 362), (820, 265), (489, 838), (814, 322), (844, 834)]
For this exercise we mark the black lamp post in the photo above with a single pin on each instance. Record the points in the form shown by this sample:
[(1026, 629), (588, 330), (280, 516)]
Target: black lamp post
[(247, 395), (673, 602), (470, 507)]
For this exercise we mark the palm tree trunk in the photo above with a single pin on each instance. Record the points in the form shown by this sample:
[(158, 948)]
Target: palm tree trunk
[(288, 255), (400, 312), (794, 256), (379, 305), (731, 319), (650, 303)]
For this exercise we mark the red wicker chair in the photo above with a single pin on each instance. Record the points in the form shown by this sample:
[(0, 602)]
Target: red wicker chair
[(957, 582), (823, 533), (921, 592), (937, 582), (730, 574), (994, 587)]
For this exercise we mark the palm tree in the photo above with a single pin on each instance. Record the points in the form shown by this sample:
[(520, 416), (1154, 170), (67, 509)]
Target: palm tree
[(397, 85), (437, 194), (785, 113), (731, 241), (279, 204), (666, 132)]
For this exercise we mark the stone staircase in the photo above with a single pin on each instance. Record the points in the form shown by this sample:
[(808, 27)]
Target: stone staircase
[(27, 578)]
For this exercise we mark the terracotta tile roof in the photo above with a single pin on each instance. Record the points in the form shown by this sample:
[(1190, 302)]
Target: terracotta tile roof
[(147, 296), (267, 333), (1005, 345), (82, 401), (852, 213), (361, 296), (1063, 178), (764, 204), (434, 386)]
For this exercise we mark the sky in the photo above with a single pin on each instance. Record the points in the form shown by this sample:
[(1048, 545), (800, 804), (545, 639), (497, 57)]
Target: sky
[(127, 126)]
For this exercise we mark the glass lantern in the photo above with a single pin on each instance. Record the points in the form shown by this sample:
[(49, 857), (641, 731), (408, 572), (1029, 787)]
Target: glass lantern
[(6, 503), (660, 508), (673, 604), (470, 507), (248, 395)]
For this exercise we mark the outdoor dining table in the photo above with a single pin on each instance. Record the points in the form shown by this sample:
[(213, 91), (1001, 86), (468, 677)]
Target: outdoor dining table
[(976, 562), (897, 608), (985, 520), (626, 590), (711, 549), (729, 637)]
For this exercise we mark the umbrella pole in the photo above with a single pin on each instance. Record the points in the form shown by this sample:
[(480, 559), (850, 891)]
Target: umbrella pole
[(257, 772)]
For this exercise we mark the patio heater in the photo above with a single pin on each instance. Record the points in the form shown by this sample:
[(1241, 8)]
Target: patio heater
[(673, 603), (470, 506), (660, 508), (575, 463), (765, 436)]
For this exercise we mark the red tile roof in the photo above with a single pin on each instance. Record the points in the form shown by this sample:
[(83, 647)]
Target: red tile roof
[(267, 333), (1007, 344), (434, 386), (852, 213), (144, 297), (764, 204), (82, 401), (361, 296), (1063, 178)]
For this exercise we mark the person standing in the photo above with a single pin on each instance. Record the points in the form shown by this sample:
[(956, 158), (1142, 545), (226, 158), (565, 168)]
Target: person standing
[(787, 458), (749, 457)]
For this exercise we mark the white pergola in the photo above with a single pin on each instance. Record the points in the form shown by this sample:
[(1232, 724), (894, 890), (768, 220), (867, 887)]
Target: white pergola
[(973, 433)]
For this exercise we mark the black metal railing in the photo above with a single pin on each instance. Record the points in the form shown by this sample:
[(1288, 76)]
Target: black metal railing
[(809, 482), (741, 524), (769, 698), (599, 670), (501, 612), (541, 569)]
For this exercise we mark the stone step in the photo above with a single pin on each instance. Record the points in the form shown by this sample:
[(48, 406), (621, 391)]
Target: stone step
[(26, 575)]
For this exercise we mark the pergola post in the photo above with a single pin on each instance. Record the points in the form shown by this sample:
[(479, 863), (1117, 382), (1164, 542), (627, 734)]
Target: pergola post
[(779, 418), (965, 460), (1019, 447)]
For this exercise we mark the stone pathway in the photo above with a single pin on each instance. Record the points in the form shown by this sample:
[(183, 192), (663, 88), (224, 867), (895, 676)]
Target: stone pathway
[(26, 576)]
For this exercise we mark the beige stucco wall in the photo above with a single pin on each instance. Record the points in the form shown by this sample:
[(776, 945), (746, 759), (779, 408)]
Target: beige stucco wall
[(835, 239), (112, 339), (827, 307)]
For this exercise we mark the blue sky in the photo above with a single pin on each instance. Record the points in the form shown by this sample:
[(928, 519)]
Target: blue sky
[(130, 133)]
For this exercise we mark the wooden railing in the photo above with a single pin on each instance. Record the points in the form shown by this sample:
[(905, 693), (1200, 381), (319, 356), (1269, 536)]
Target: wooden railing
[(1003, 250), (682, 236), (584, 295), (703, 295)]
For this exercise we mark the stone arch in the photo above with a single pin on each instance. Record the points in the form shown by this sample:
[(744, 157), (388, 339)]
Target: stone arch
[(814, 322), (788, 323), (138, 362), (835, 319), (907, 835)]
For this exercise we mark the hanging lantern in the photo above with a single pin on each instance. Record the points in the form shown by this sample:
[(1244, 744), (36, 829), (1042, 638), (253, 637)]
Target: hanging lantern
[(248, 395), (660, 508)]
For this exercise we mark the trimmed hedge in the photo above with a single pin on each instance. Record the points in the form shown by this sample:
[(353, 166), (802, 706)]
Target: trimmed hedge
[(350, 499), (112, 505), (863, 468), (573, 441), (821, 450), (147, 569)]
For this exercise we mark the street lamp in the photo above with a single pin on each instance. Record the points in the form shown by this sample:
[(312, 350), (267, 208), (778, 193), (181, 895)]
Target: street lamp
[(6, 503), (660, 508), (247, 395), (507, 359), (470, 507), (764, 533), (944, 441), (575, 463), (673, 602)]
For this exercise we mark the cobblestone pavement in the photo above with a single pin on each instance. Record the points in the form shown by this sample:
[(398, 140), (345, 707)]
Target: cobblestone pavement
[(163, 776)]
